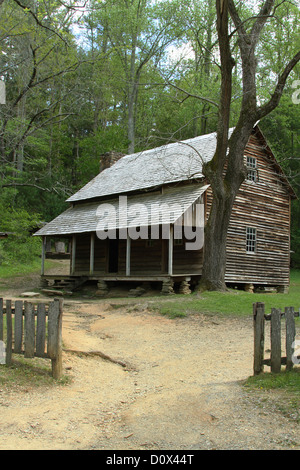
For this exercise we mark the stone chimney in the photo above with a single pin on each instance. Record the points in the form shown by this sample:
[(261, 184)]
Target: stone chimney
[(109, 158)]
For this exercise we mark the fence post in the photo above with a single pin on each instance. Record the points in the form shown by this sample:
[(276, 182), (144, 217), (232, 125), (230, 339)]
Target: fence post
[(29, 338), (275, 340), (259, 336), (290, 335), (1, 319), (41, 329), (9, 333), (18, 326), (55, 336)]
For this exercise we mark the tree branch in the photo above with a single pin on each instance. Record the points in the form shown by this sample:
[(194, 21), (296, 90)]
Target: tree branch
[(260, 21), (32, 185), (33, 75), (27, 9), (191, 95), (275, 98)]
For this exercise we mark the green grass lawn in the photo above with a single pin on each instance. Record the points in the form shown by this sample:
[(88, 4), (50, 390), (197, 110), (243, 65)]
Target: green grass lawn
[(24, 373), (233, 302), (279, 391), (17, 269)]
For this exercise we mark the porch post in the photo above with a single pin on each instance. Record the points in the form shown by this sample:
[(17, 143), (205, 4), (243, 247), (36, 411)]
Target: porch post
[(44, 240), (128, 250), (73, 254), (170, 269), (92, 253)]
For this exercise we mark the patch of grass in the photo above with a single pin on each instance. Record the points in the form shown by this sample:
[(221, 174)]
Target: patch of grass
[(171, 312), (281, 391), (232, 302), (25, 374), (284, 380), (19, 269)]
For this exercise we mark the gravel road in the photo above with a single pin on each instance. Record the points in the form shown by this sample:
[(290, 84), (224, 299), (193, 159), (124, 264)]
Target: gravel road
[(181, 388)]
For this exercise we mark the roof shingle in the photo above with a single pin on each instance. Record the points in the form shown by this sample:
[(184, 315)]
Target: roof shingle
[(178, 161)]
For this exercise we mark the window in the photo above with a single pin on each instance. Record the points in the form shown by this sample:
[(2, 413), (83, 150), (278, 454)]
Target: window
[(252, 174), (178, 241), (250, 240), (150, 243)]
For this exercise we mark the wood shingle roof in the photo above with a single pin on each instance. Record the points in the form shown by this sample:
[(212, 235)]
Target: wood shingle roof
[(170, 163)]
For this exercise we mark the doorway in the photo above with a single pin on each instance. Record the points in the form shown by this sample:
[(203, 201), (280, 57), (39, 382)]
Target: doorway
[(113, 256)]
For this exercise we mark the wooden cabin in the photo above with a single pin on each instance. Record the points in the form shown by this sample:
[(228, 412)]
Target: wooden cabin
[(135, 221)]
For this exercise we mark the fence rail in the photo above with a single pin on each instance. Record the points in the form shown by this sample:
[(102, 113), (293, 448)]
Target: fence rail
[(276, 360), (32, 330)]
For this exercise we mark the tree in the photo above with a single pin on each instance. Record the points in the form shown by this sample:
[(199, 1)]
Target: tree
[(226, 171), (38, 50), (147, 29)]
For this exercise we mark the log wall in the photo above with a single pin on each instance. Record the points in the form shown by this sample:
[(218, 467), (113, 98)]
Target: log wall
[(264, 205)]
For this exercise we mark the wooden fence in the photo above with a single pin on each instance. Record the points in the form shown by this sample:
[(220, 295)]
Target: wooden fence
[(34, 331), (276, 360)]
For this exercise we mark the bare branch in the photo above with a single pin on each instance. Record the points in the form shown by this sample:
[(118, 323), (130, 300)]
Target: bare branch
[(31, 80), (7, 185), (275, 98), (27, 9), (192, 95)]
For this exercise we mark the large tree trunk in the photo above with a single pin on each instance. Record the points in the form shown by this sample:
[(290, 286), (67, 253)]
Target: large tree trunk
[(226, 171), (224, 189), (213, 274), (214, 261)]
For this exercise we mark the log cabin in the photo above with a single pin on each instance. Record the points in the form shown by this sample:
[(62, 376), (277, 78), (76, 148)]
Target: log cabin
[(142, 219)]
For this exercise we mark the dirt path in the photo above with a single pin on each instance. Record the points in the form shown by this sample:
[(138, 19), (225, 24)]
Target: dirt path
[(180, 389)]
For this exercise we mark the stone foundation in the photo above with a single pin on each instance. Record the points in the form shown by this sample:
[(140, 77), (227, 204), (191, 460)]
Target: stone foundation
[(167, 287), (102, 288), (184, 288)]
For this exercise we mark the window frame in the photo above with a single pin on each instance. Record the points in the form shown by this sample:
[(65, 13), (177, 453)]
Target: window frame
[(252, 171), (251, 240)]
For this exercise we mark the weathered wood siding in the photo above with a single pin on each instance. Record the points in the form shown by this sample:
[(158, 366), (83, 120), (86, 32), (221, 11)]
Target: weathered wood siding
[(82, 258), (187, 261), (101, 249), (144, 259), (264, 205)]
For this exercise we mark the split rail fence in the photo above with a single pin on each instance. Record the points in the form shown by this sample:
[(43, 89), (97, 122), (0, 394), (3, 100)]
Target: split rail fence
[(34, 331), (276, 360)]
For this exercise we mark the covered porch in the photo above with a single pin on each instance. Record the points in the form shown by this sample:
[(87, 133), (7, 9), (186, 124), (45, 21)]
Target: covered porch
[(153, 247), (131, 261)]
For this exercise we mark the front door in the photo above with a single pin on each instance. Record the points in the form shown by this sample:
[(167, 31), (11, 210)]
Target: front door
[(113, 256)]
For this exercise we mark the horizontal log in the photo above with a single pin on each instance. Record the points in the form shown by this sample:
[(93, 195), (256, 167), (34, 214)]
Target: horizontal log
[(268, 316)]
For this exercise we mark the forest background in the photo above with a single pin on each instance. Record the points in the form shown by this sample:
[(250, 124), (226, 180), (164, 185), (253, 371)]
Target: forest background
[(83, 78)]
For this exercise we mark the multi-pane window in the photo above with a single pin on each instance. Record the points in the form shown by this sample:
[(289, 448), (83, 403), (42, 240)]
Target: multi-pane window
[(250, 240), (252, 169)]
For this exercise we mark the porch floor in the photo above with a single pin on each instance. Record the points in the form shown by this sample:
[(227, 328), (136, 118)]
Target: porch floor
[(120, 277)]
